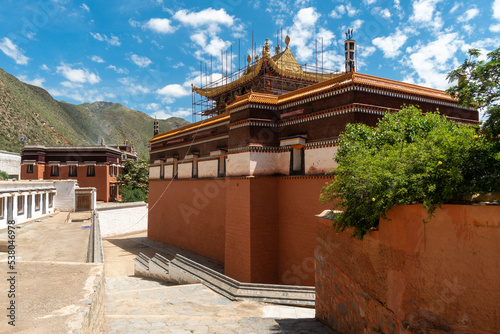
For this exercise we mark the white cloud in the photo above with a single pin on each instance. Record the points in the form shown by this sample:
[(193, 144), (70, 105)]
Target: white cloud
[(69, 84), (85, 7), (117, 69), (44, 67), (351, 11), (13, 51), (79, 75), (327, 36), (384, 12), (455, 7), (112, 40), (35, 82), (134, 23), (496, 9), (356, 24), (209, 18), (140, 61), (167, 113), (369, 2), (132, 87), (423, 10), (468, 15), (97, 59), (303, 31), (432, 62), (137, 38), (173, 90), (391, 44), (495, 27), (161, 26), (179, 64)]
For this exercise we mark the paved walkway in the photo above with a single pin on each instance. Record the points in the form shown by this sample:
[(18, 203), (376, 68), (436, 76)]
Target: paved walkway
[(139, 305)]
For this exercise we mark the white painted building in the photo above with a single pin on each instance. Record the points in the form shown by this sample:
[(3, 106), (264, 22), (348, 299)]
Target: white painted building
[(22, 201), (11, 164)]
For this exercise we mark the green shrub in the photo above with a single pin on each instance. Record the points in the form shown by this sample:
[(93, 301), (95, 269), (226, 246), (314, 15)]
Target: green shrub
[(4, 175), (129, 194), (408, 158)]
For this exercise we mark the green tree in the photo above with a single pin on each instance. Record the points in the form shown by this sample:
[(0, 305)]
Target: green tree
[(134, 180), (478, 83), (408, 158), (3, 175)]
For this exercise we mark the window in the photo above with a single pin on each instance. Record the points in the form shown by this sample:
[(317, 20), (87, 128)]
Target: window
[(222, 167), (195, 169), (2, 207), (297, 161), (116, 171), (29, 169), (91, 170), (37, 202), (54, 170), (20, 205), (111, 171), (73, 170), (162, 172), (51, 200)]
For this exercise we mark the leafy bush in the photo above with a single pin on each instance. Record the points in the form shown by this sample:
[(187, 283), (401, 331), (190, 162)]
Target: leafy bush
[(129, 194), (408, 158), (3, 175)]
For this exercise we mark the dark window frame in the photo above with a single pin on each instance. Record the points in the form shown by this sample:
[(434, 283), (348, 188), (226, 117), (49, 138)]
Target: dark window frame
[(300, 171), (20, 200), (91, 170), (29, 169), (54, 170), (72, 171), (38, 200), (2, 207)]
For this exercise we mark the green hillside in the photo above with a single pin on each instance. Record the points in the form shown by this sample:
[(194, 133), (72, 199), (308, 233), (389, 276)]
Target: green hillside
[(29, 111)]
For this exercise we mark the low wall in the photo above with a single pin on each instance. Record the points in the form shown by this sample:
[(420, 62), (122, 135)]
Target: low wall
[(122, 218), (10, 163), (414, 274)]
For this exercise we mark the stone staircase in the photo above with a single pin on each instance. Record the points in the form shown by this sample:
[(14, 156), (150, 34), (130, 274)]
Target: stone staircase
[(182, 270)]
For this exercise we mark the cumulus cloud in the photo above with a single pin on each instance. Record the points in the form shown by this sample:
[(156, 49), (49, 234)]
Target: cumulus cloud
[(209, 17), (35, 82), (303, 31), (495, 27), (13, 51), (97, 59), (391, 44), (384, 12), (78, 75), (112, 40), (468, 15), (117, 69), (173, 90), (141, 61), (496, 9), (432, 62), (162, 26)]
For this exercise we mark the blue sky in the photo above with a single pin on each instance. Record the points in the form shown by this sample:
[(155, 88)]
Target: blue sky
[(145, 54)]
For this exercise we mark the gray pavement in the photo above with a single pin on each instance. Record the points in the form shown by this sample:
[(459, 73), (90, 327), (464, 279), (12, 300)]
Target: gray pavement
[(139, 305)]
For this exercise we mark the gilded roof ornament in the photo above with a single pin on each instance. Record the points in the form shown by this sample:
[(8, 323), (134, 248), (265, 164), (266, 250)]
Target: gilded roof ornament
[(265, 49), (249, 60), (278, 49), (287, 41)]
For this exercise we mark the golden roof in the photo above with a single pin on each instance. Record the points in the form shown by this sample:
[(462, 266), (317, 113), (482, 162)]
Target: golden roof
[(283, 63)]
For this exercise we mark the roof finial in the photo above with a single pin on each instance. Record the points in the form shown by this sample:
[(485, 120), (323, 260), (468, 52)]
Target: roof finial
[(287, 41), (265, 49), (249, 60), (278, 49)]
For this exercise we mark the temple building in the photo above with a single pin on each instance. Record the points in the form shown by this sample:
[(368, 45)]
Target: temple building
[(92, 166), (242, 185)]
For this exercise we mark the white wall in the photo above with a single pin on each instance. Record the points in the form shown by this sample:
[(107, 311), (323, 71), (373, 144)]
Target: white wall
[(154, 172), (185, 170), (64, 200), (10, 163), (169, 169), (208, 168), (320, 160), (238, 164), (121, 220)]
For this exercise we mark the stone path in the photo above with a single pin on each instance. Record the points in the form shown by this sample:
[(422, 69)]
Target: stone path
[(139, 305)]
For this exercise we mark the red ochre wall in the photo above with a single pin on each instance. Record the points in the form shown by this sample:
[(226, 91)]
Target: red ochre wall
[(414, 274), (189, 214), (261, 228)]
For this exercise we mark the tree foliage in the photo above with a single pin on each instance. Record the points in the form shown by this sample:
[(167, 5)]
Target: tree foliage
[(134, 181), (408, 158), (3, 175), (478, 83)]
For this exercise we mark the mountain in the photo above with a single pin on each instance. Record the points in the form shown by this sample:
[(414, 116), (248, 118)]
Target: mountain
[(28, 111)]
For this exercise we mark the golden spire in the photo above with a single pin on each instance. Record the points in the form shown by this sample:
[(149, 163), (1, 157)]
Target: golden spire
[(249, 60), (287, 41), (265, 49), (277, 49)]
